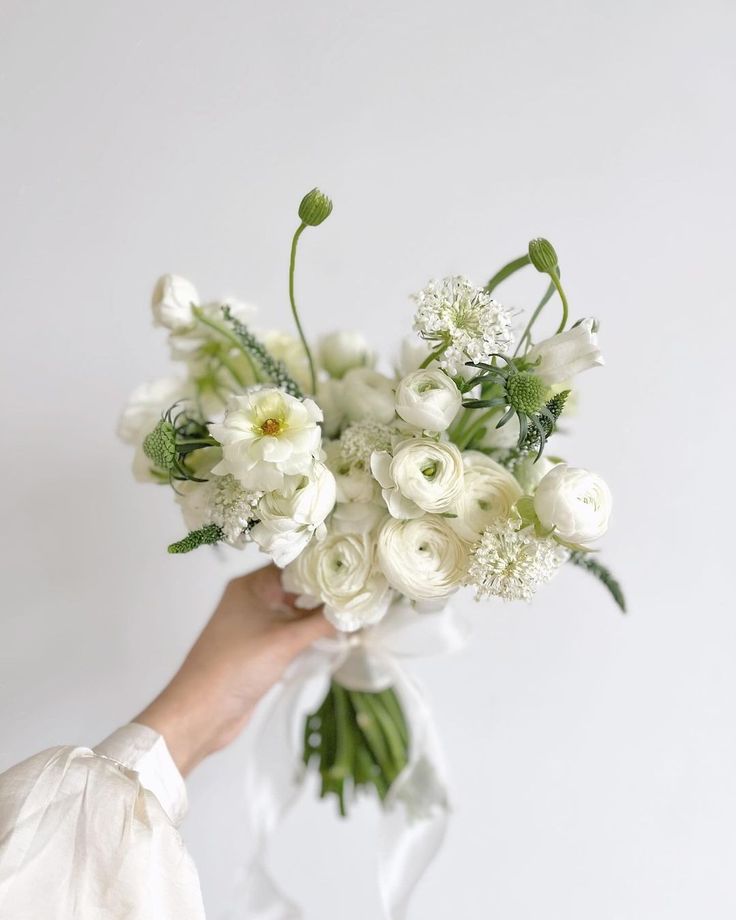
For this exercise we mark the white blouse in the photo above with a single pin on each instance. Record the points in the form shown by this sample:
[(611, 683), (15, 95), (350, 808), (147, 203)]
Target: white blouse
[(92, 834)]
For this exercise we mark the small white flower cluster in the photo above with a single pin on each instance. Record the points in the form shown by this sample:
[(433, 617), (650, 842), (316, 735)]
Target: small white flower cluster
[(377, 487), (462, 320)]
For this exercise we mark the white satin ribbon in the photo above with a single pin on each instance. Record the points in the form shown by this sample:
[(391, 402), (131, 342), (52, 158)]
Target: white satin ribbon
[(415, 812)]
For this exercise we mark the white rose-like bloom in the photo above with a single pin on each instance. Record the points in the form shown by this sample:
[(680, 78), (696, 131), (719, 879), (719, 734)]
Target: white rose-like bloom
[(566, 354), (367, 394), (143, 412), (172, 301), (489, 493), (341, 351), (423, 558), (289, 518), (428, 399), (267, 435), (576, 503), (423, 475), (340, 572)]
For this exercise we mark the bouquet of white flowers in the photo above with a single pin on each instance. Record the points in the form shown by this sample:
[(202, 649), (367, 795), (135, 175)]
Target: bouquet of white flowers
[(378, 494)]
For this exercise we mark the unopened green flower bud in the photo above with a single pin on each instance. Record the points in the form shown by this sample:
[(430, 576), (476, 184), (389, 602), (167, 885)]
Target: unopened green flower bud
[(525, 393), (160, 445), (315, 208), (543, 256)]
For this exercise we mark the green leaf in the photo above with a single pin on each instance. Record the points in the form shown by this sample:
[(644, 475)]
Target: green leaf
[(604, 576), (503, 273)]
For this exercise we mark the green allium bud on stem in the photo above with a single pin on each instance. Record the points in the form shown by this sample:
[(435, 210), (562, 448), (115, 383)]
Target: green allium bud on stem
[(542, 255)]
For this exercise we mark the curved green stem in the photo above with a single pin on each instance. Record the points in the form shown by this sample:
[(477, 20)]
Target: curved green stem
[(503, 273), (432, 356), (475, 427), (556, 281), (527, 333), (227, 333), (292, 263)]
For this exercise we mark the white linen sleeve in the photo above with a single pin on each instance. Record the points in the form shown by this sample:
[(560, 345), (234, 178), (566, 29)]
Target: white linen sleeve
[(92, 834)]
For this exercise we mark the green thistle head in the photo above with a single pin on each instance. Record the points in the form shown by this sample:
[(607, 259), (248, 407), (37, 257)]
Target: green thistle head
[(315, 208), (525, 392), (160, 445)]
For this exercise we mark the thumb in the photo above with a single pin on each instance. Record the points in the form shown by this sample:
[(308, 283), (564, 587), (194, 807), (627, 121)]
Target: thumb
[(300, 634)]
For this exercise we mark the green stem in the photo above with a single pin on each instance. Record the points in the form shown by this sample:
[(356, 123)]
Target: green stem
[(527, 333), (432, 356), (227, 333), (475, 427), (556, 281), (503, 273), (234, 373), (292, 264)]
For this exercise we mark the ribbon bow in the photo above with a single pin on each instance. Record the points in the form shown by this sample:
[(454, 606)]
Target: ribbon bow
[(415, 812)]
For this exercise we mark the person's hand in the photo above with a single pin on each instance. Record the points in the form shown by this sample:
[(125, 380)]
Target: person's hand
[(253, 635)]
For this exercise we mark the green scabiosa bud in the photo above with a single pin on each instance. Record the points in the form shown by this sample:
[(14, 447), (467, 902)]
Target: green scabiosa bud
[(205, 536), (160, 445), (542, 255), (315, 208), (525, 393)]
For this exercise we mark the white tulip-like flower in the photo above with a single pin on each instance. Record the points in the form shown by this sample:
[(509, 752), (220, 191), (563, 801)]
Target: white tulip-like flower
[(367, 395), (340, 572), (423, 558), (489, 493), (146, 405), (422, 476), (511, 563), (462, 319), (340, 352), (574, 503), (289, 518), (413, 352), (171, 303), (566, 354), (428, 399), (267, 435)]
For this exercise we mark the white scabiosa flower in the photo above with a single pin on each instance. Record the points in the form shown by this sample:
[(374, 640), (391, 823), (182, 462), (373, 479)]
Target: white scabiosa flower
[(361, 439), (221, 500), (574, 503), (340, 352), (488, 495), (423, 558), (561, 357), (340, 572), (367, 394), (422, 476), (289, 518), (428, 399), (463, 319), (267, 435), (511, 563)]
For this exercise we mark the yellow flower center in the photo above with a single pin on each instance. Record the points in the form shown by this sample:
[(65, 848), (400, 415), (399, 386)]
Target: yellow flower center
[(271, 427)]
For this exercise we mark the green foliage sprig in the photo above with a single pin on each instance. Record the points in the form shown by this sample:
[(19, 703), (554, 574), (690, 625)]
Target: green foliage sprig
[(590, 564), (275, 370), (205, 536)]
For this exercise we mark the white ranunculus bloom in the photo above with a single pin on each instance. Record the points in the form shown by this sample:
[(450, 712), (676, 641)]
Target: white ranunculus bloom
[(172, 301), (423, 475), (341, 351), (340, 572), (267, 435), (146, 405), (428, 399), (354, 484), (488, 495), (566, 354), (367, 394), (423, 558), (290, 517), (573, 502)]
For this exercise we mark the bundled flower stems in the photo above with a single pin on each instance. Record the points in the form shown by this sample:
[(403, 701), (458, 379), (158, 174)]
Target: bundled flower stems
[(378, 493)]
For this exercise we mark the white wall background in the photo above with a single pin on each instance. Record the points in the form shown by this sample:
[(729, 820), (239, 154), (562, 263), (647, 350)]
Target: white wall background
[(593, 756)]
